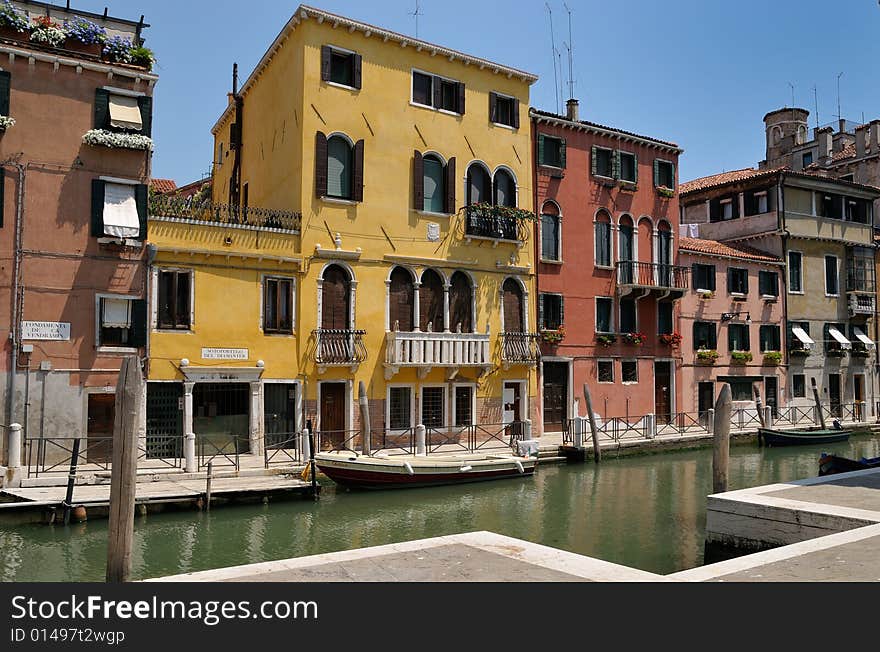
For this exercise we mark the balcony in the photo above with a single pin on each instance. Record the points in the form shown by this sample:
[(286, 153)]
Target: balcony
[(861, 305), (189, 210), (498, 223), (667, 280), (338, 348), (519, 348), (425, 351)]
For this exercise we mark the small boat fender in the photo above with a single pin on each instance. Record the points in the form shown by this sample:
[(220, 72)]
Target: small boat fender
[(409, 468), (466, 468), (519, 466)]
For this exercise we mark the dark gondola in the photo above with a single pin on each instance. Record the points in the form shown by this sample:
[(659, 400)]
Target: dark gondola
[(833, 464)]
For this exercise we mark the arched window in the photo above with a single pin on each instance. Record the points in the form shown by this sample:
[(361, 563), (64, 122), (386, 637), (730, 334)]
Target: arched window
[(664, 253), (513, 307), (434, 186), (335, 298), (400, 300), (505, 189), (431, 302), (602, 232), (550, 249), (626, 249), (339, 168), (461, 303), (479, 185)]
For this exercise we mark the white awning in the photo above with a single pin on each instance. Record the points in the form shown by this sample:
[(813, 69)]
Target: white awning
[(125, 112), (120, 211), (801, 334), (116, 313), (837, 335), (864, 339)]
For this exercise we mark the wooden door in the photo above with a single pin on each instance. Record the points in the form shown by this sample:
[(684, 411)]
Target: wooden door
[(834, 394), (859, 396), (400, 297), (555, 395), (335, 299), (99, 432), (771, 394), (460, 304), (431, 302), (513, 307), (705, 400), (332, 415), (663, 391)]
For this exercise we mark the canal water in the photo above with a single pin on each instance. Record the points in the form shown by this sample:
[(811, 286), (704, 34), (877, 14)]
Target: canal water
[(646, 511)]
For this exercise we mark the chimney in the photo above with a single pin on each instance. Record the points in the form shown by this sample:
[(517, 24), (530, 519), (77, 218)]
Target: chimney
[(861, 135), (874, 136), (824, 136), (572, 111), (841, 125)]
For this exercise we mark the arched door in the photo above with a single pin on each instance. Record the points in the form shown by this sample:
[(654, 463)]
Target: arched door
[(400, 298), (335, 299), (461, 303), (513, 307), (431, 302)]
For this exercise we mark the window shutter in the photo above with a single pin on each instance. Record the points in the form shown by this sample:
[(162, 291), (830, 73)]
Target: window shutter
[(493, 107), (593, 160), (97, 208), (358, 180), (747, 339), (516, 114), (562, 153), (139, 323), (711, 278), (141, 196), (541, 311), (694, 277), (635, 168), (696, 334), (561, 310), (449, 201), (146, 106), (326, 55), (656, 172), (745, 278), (356, 70), (461, 98), (320, 164), (615, 164), (102, 108), (672, 179), (5, 83), (540, 149), (437, 89), (418, 181), (730, 285), (2, 195)]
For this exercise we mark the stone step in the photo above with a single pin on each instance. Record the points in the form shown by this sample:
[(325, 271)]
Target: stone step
[(151, 475)]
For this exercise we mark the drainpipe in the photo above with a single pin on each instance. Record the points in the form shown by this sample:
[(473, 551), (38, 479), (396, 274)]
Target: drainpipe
[(14, 328)]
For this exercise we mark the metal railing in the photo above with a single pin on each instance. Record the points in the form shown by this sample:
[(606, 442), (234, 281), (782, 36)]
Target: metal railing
[(282, 448), (46, 455), (497, 222), (339, 347), (221, 450), (173, 207), (794, 416), (519, 347), (654, 275)]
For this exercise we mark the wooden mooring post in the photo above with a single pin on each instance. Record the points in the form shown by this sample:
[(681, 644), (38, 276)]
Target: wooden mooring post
[(759, 406), (208, 479), (363, 401), (597, 454), (123, 476), (721, 450), (71, 480), (818, 403)]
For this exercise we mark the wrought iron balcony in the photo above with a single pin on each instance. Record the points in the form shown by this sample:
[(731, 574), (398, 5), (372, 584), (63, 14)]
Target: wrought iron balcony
[(633, 274), (336, 347), (519, 348), (190, 210), (861, 304), (428, 350), (497, 222)]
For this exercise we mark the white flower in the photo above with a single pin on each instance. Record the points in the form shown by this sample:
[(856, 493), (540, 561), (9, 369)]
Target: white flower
[(104, 138), (6, 122), (53, 36)]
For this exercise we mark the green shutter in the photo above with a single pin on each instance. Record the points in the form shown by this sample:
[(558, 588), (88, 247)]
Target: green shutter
[(615, 164), (636, 168), (97, 208), (141, 197), (562, 153), (145, 104), (540, 149), (561, 310), (5, 83), (138, 323), (593, 156), (102, 109), (656, 172), (541, 311)]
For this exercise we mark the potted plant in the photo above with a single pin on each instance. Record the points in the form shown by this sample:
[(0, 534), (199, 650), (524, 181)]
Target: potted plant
[(628, 186), (117, 140), (47, 32), (6, 122), (143, 57), (553, 336), (635, 339), (13, 24), (706, 294), (859, 350), (799, 353), (671, 339), (740, 357), (606, 339), (836, 353), (707, 356), (85, 36), (117, 50), (663, 191), (772, 358)]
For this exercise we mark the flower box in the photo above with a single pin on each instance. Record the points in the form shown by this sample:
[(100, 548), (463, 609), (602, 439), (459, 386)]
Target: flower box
[(117, 140), (606, 339), (740, 357), (772, 358), (628, 186), (553, 336), (706, 356), (636, 339), (706, 294), (799, 353), (92, 49), (663, 191), (670, 339)]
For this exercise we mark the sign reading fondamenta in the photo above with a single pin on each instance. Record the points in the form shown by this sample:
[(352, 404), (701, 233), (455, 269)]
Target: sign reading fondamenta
[(224, 354), (45, 330)]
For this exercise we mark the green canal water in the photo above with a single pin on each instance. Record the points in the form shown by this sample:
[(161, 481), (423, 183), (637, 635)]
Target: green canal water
[(645, 511)]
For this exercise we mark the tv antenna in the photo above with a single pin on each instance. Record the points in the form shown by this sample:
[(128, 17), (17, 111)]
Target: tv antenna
[(553, 51), (838, 95), (792, 94), (816, 100), (568, 46), (415, 14)]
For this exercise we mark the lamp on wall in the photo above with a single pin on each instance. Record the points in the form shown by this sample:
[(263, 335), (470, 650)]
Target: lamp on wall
[(728, 316)]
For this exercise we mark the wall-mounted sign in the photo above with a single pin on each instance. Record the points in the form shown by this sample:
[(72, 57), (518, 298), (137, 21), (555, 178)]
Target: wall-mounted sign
[(45, 330), (224, 354)]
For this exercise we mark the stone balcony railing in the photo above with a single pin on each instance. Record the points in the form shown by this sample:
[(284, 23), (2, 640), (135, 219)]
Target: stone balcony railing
[(428, 350)]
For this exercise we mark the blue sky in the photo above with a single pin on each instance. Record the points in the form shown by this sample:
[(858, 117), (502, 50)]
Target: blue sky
[(701, 73)]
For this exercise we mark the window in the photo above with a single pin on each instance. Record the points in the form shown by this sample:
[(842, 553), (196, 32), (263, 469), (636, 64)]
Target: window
[(122, 322), (340, 67), (795, 272), (738, 337), (629, 167), (737, 280), (664, 174), (464, 401), (605, 371), (770, 338), (741, 390), (433, 185), (794, 342), (549, 236), (603, 315), (830, 206), (704, 277), (799, 386), (504, 110), (835, 340), (860, 270), (119, 210), (174, 299), (339, 168), (551, 151), (628, 316), (220, 154), (123, 113), (806, 159), (504, 189), (705, 336), (768, 284), (726, 209), (438, 92), (461, 297), (761, 202), (858, 210), (5, 83), (629, 371), (433, 407), (399, 408), (551, 312), (602, 232), (278, 305), (832, 287), (603, 162), (422, 89), (664, 318), (479, 185), (851, 177)]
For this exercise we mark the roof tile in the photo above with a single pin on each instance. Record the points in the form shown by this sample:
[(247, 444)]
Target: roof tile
[(713, 247), (163, 186)]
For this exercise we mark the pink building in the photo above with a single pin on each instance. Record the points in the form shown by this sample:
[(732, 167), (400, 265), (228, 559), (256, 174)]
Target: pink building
[(731, 325)]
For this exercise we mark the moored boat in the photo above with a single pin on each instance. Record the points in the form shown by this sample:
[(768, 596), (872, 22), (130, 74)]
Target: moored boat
[(349, 469), (833, 464), (773, 437)]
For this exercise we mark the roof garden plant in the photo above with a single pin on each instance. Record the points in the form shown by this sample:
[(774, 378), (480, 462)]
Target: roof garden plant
[(143, 57), (118, 49), (11, 18), (48, 32), (85, 31)]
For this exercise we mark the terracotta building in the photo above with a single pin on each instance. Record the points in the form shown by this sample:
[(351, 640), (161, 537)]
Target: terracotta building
[(75, 152), (607, 278)]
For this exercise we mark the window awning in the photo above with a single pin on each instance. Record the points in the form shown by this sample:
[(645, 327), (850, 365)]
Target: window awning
[(116, 313), (120, 211), (801, 334), (837, 335), (125, 112), (861, 337)]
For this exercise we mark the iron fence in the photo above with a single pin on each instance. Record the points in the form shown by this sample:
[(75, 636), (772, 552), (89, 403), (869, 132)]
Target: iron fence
[(794, 416), (221, 450), (172, 207), (282, 448), (339, 346)]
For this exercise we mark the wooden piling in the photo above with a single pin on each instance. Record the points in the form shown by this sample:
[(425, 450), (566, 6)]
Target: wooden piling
[(363, 401), (721, 451), (818, 403), (759, 406), (208, 479), (597, 454), (71, 480), (123, 477)]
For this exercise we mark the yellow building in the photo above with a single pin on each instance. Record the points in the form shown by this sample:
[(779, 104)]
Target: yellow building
[(386, 145)]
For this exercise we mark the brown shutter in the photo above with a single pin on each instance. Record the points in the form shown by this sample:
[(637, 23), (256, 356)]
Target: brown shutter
[(493, 107), (326, 55), (431, 302), (418, 181), (516, 114), (461, 98), (460, 303), (513, 307), (334, 299), (450, 181), (358, 180), (401, 304), (436, 87), (320, 164), (356, 73)]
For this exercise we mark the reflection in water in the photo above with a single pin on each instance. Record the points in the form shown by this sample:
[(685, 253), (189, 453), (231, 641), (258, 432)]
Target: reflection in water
[(647, 512)]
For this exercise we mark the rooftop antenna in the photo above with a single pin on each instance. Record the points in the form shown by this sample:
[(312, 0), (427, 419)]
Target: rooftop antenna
[(569, 48), (838, 95), (416, 14), (553, 54), (792, 94), (816, 100)]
